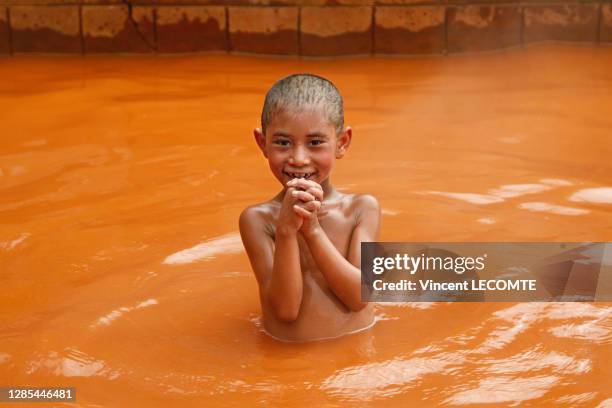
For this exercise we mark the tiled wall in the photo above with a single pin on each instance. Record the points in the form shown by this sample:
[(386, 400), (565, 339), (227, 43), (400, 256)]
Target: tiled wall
[(291, 27)]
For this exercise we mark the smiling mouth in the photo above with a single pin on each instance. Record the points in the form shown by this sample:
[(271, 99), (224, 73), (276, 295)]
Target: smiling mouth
[(299, 175)]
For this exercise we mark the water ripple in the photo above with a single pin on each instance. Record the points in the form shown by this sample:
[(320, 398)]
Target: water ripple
[(535, 360), (496, 390), (107, 319), (388, 378), (74, 363)]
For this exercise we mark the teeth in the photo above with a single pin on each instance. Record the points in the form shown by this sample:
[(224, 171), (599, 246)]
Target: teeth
[(301, 175)]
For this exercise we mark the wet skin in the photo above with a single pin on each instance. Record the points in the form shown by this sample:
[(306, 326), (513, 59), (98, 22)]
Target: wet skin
[(304, 244)]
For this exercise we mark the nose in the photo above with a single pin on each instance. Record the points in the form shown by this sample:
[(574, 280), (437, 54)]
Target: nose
[(299, 157)]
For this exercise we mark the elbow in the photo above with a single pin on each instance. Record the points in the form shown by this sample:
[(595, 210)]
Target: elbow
[(357, 306), (287, 314), (284, 308), (284, 311)]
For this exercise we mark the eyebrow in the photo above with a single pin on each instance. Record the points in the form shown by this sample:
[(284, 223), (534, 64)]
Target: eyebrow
[(317, 134), (279, 133)]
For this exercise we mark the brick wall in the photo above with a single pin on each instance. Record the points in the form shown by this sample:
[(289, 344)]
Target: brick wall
[(292, 27)]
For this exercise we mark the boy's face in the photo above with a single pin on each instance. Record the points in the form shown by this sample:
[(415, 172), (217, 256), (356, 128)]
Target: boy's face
[(302, 144)]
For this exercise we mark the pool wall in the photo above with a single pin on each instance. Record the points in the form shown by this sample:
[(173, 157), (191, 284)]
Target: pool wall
[(290, 27)]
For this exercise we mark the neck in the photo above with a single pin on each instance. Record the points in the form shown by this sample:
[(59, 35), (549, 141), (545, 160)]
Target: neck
[(328, 190)]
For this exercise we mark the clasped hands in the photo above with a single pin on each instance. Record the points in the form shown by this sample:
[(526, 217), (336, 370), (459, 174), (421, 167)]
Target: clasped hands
[(301, 204)]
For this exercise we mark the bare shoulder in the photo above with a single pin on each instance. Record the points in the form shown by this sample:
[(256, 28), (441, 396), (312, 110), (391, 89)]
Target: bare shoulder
[(366, 217), (256, 226), (253, 213), (257, 216), (361, 204), (366, 202)]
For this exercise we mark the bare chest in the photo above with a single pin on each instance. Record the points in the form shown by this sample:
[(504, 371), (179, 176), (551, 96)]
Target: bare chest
[(337, 226)]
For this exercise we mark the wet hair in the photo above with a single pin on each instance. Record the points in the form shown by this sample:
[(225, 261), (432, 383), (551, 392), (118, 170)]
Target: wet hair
[(303, 91)]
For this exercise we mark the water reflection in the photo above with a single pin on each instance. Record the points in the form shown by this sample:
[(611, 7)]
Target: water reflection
[(497, 390), (12, 244), (601, 195), (226, 244), (107, 319), (479, 378), (388, 378), (552, 208), (71, 363)]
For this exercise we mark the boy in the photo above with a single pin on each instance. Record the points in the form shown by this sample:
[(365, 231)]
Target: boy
[(304, 245)]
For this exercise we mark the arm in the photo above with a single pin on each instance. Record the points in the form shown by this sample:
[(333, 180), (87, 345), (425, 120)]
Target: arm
[(276, 264), (284, 289), (344, 275)]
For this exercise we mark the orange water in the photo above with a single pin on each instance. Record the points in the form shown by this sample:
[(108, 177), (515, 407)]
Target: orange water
[(110, 167)]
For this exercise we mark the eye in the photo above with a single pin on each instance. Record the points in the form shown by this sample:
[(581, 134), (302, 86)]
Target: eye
[(317, 142), (281, 142)]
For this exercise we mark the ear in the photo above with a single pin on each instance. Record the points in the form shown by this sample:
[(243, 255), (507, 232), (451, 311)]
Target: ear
[(343, 142), (260, 139)]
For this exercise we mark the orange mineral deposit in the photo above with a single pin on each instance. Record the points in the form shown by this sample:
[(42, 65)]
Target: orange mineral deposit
[(123, 275)]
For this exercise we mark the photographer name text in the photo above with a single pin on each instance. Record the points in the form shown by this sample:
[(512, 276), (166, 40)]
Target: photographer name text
[(474, 285)]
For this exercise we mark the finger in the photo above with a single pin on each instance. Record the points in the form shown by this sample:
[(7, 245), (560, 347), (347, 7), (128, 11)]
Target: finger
[(303, 184), (316, 192), (301, 211), (311, 187), (303, 196), (312, 206), (289, 194)]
